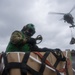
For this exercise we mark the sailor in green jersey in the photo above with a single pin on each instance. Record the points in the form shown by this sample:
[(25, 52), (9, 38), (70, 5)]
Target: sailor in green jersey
[(19, 39)]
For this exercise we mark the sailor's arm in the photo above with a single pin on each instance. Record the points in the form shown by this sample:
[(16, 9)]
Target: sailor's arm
[(17, 37)]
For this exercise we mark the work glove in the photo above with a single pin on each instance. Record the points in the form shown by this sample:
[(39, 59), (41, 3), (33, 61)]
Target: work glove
[(32, 41)]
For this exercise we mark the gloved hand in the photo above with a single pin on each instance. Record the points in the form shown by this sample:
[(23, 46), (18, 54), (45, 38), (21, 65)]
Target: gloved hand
[(32, 41)]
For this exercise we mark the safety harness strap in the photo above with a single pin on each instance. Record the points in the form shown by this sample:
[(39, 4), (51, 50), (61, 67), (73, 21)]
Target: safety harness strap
[(25, 58), (59, 58), (45, 56), (43, 62), (41, 70), (24, 61), (12, 65)]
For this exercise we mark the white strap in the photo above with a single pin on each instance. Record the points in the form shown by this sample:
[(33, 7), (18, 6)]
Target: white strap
[(40, 63), (18, 54)]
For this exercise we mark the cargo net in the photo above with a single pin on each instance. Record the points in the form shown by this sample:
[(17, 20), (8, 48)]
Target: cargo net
[(36, 63)]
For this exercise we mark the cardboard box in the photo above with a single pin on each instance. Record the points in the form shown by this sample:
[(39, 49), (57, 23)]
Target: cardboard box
[(34, 62)]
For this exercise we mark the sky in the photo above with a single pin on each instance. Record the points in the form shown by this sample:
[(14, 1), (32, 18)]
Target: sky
[(14, 14)]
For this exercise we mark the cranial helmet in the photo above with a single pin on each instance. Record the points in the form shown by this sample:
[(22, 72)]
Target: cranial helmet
[(28, 30)]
